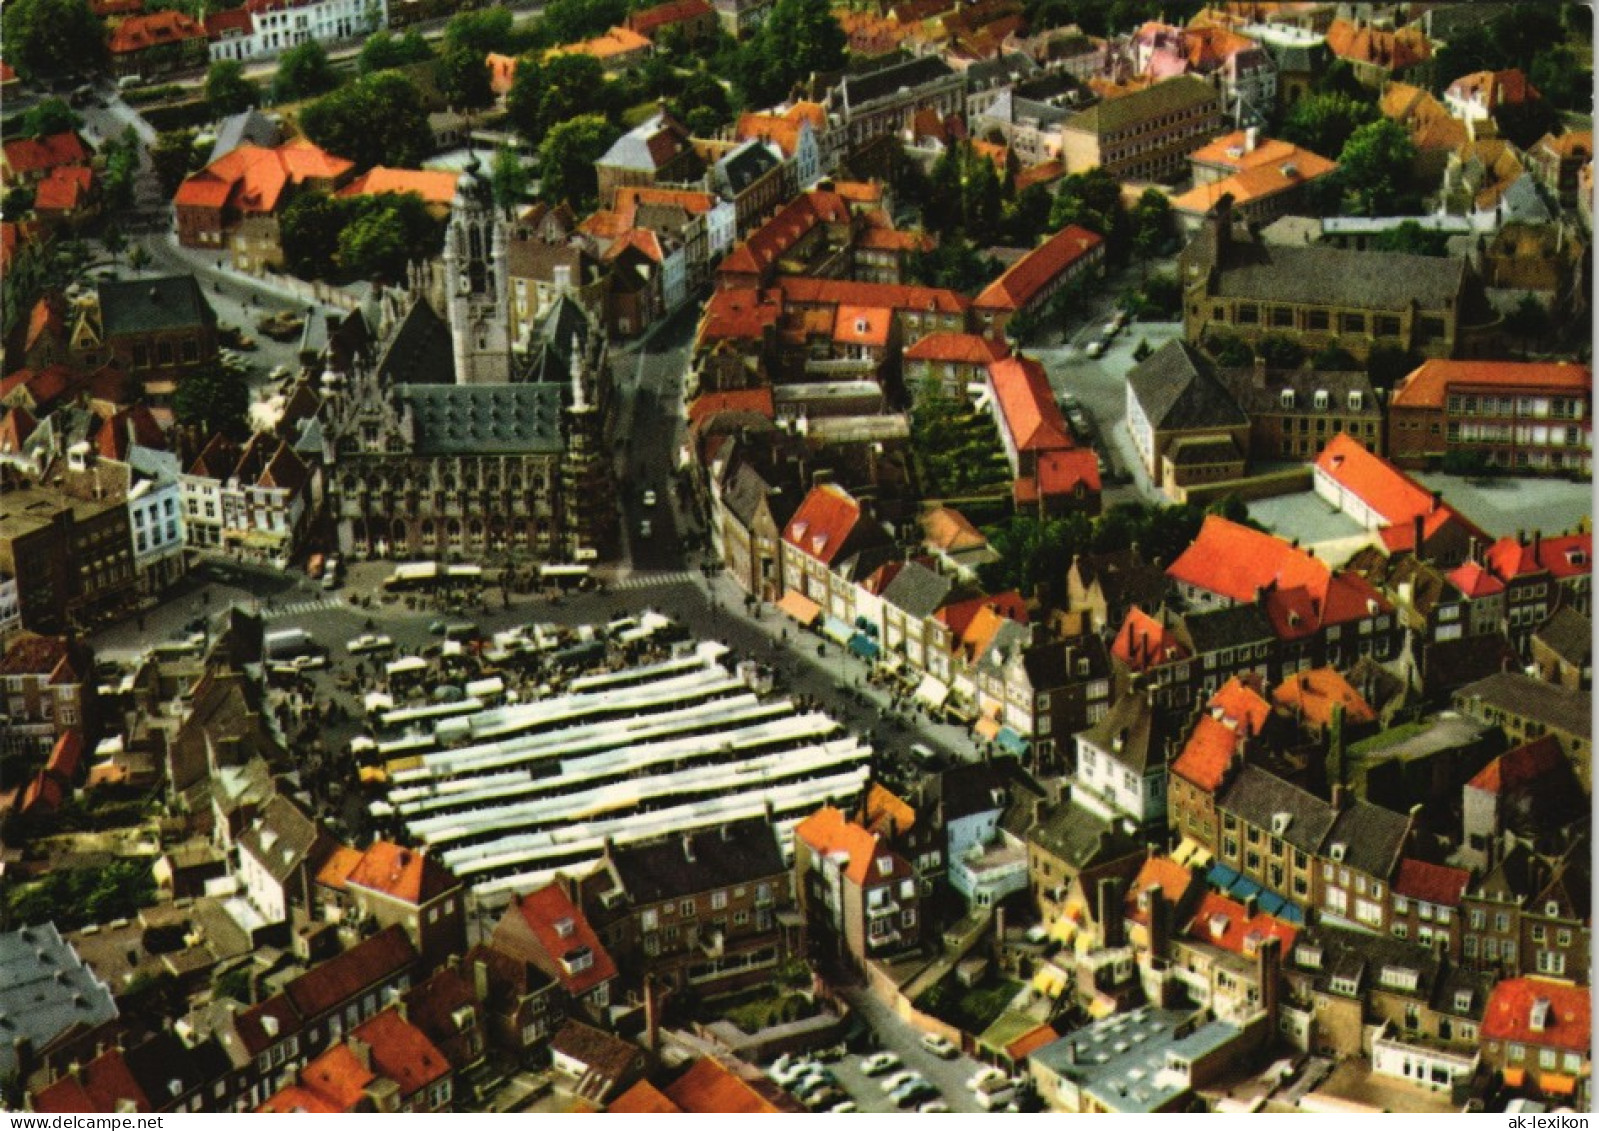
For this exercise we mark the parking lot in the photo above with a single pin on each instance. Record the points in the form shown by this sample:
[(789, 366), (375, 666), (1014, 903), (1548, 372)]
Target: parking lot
[(851, 1079)]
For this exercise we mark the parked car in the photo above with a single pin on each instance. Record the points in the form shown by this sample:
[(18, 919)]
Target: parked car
[(932, 1107), (370, 642), (879, 1063), (1095, 349), (843, 1108), (987, 1072), (914, 1092), (940, 1046), (899, 1080), (649, 498)]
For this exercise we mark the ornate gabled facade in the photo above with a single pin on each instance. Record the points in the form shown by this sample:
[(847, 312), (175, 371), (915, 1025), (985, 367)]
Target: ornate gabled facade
[(426, 463), (476, 279)]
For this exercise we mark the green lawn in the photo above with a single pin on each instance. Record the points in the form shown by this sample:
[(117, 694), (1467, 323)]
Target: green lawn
[(971, 1009)]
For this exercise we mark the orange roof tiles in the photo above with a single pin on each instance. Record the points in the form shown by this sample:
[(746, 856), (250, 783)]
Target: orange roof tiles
[(155, 29), (643, 1098), (739, 314), (561, 928), (338, 1077), (336, 870), (782, 130), (1158, 871), (1038, 268), (253, 178), (1373, 480), (64, 189), (1494, 89), (863, 326), (1240, 705), (1065, 471), (1363, 43), (1027, 404), (1564, 1021), (41, 154), (966, 349), (502, 71), (1429, 384), (1256, 183), (614, 43), (402, 1052), (1046, 172), (709, 1086), (1430, 124), (1210, 749), (295, 1100), (947, 529), (757, 401), (1569, 555), (1521, 765), (105, 1084), (828, 832), (1314, 694), (804, 290), (1475, 580), (304, 160), (1225, 923), (823, 523), (1432, 883), (401, 873), (1031, 1041), (889, 239), (648, 20), (777, 237), (1144, 642), (432, 185), (885, 813), (1303, 594)]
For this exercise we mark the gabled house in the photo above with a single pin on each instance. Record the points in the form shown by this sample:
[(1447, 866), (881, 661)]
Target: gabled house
[(860, 899), (1185, 426), (828, 532), (1536, 1034), (548, 930), (391, 884), (1029, 283), (279, 857), (1122, 761)]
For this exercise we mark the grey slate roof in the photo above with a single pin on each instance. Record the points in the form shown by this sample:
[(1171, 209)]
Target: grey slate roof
[(1568, 634), (695, 863), (249, 128), (1145, 733), (1526, 697), (1176, 390), (522, 419), (648, 146), (1193, 451), (1256, 796), (45, 989), (745, 165), (1082, 838), (1330, 276), (1215, 629), (1170, 97), (420, 351), (1372, 836), (141, 306), (282, 839), (917, 591), (1327, 951), (551, 354), (1305, 384), (861, 89)]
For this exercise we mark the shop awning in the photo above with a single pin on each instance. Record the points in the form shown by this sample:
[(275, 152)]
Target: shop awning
[(864, 646), (1190, 851), (1556, 1083), (986, 728), (800, 607), (892, 662), (932, 691), (1514, 1077), (1013, 741), (377, 701), (836, 630)]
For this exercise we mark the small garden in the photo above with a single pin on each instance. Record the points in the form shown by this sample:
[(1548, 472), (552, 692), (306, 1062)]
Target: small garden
[(971, 1009), (957, 449), (786, 998)]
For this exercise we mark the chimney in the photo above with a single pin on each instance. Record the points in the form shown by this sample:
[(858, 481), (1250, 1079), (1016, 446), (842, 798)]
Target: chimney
[(1340, 797), (688, 847), (1159, 925), (1420, 522), (1112, 927), (1251, 135), (1251, 905), (361, 1050), (1269, 963), (480, 979), (1537, 546), (652, 1014)]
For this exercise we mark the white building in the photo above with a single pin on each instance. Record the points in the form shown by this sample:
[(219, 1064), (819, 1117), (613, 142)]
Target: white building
[(270, 27), (10, 606), (156, 518)]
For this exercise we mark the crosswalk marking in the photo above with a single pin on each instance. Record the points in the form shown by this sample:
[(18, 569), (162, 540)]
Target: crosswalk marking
[(650, 580), (299, 607)]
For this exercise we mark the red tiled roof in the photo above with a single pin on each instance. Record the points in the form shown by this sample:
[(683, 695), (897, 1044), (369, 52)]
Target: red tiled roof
[(967, 349), (878, 238), (1158, 871), (15, 427), (1038, 268), (885, 813), (218, 24), (643, 1098), (304, 160), (67, 755), (828, 832), (616, 42), (1224, 923), (1314, 694), (1043, 173), (1257, 182), (155, 29), (1567, 555), (337, 868), (805, 290), (1525, 763), (432, 185), (103, 1085), (41, 154), (341, 978), (1431, 883), (1031, 1041), (1363, 43), (1241, 704), (34, 655), (1494, 89), (1373, 480), (1144, 642), (709, 1086), (863, 325), (775, 238), (707, 405), (561, 928), (1065, 472), (647, 20), (403, 874), (1509, 1016), (739, 314), (402, 1052), (823, 523), (65, 189), (1027, 405), (960, 615), (782, 130), (947, 529), (338, 1078), (1210, 749), (1475, 581), (1303, 594), (294, 1100)]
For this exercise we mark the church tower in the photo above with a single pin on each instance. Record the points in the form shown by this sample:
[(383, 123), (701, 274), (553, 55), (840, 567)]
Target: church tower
[(477, 284)]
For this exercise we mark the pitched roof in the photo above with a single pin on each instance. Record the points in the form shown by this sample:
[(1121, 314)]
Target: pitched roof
[(41, 154), (961, 348), (1314, 694), (341, 978), (337, 1078), (644, 1098), (103, 1085), (1521, 765), (1568, 555), (805, 290), (1431, 883), (605, 1057), (647, 20), (1429, 384), (402, 1052), (824, 522), (885, 813), (153, 29), (1114, 115), (709, 1086), (140, 306), (1373, 837), (563, 932), (1178, 391), (435, 186), (1210, 749), (947, 530), (1362, 42), (1022, 281), (1227, 924), (1027, 405), (1475, 580), (1256, 182), (1163, 872), (402, 874), (735, 853), (1144, 642), (649, 146), (782, 130), (1133, 732), (828, 832), (1540, 1012), (1330, 276), (282, 839), (917, 591), (1494, 89), (1258, 796)]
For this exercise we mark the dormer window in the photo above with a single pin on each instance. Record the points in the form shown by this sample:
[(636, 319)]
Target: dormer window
[(885, 866), (1462, 1001), (1538, 1020), (1356, 400), (1337, 852), (577, 960), (1399, 978), (1322, 400), (1308, 956), (564, 928), (1287, 398)]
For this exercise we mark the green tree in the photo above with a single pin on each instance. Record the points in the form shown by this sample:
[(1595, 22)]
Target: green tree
[(1385, 365), (1229, 351), (480, 32), (798, 38), (463, 79), (510, 179), (309, 229), (1142, 350), (121, 158), (50, 116), (1410, 238), (1026, 216), (18, 202), (138, 258), (701, 92), (378, 118), (1529, 322), (303, 72), (566, 21), (573, 85), (173, 158), (1279, 352), (1563, 79), (1334, 359), (567, 157), (524, 103), (228, 90), (1323, 123), (385, 51), (48, 39), (1375, 167), (213, 399), (1523, 123), (1151, 224), (1092, 200), (954, 264)]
